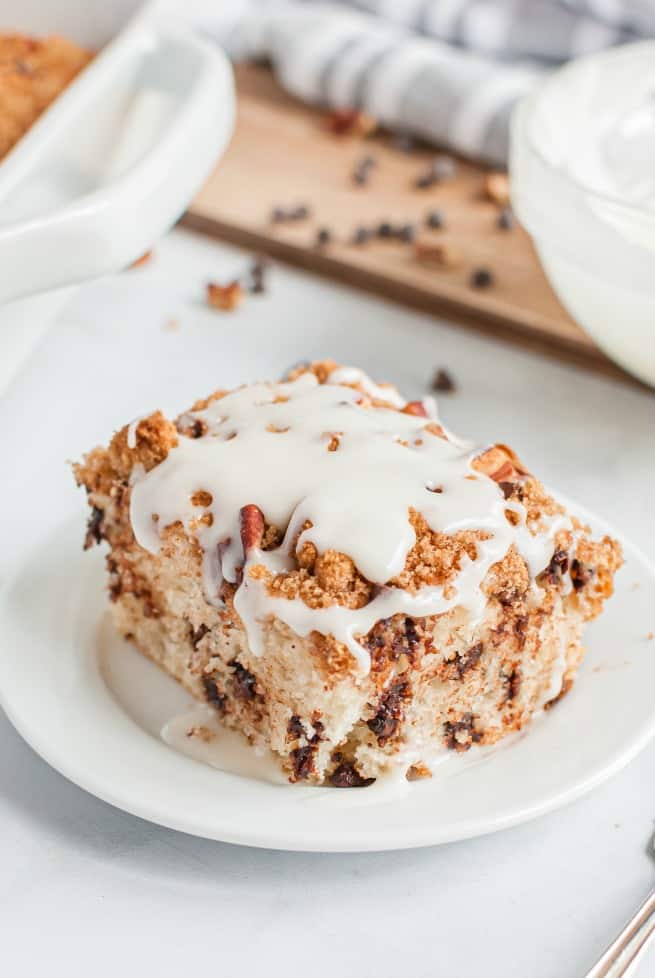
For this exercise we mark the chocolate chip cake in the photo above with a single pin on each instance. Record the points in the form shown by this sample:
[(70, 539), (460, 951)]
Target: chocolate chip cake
[(33, 72), (344, 581)]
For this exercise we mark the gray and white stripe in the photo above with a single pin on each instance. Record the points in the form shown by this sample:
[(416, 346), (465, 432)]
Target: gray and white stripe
[(449, 71)]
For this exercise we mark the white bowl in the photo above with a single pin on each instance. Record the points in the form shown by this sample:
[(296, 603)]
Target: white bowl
[(112, 164), (583, 184)]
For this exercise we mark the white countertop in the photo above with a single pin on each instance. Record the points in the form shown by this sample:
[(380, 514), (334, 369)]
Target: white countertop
[(87, 890)]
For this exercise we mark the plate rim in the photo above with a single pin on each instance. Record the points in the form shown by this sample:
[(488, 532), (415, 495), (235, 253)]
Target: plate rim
[(422, 835)]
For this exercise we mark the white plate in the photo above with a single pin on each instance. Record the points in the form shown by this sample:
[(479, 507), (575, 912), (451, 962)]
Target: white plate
[(54, 622)]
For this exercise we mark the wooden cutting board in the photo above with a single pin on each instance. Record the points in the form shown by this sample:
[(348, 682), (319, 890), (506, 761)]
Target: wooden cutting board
[(283, 155)]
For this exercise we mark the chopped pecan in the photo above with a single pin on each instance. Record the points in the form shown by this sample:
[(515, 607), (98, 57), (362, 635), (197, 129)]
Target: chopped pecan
[(345, 121), (251, 525), (224, 297), (496, 188), (581, 574), (443, 254), (416, 408)]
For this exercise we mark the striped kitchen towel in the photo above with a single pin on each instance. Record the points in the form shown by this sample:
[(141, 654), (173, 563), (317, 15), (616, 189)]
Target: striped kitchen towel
[(449, 71)]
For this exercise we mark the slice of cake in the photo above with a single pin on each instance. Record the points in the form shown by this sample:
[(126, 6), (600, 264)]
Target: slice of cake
[(339, 577)]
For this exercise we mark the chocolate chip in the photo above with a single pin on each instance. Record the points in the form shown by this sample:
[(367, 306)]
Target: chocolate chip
[(362, 171), (514, 683), (425, 180), (244, 681), (444, 168), (434, 220), (362, 236), (520, 627), (559, 564), (198, 428), (257, 274), (303, 762), (407, 232), (403, 142), (443, 381), (299, 213), (505, 220), (481, 278), (467, 660), (347, 776), (385, 230), (411, 633), (94, 532), (323, 237), (507, 488), (197, 634), (214, 696), (385, 722), (453, 732)]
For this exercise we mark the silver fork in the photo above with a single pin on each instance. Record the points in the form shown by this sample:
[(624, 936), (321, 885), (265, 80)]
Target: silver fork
[(623, 955)]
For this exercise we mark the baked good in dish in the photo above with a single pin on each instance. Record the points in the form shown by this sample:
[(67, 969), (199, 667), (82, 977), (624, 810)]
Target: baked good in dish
[(342, 579), (33, 72)]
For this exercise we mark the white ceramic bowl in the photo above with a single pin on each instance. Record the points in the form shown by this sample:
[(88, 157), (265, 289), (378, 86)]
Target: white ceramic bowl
[(112, 164), (583, 184)]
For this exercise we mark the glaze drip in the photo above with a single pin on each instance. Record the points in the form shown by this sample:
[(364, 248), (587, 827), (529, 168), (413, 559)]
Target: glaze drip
[(326, 467)]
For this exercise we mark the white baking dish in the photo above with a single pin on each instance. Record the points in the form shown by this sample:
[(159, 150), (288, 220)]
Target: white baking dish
[(115, 160)]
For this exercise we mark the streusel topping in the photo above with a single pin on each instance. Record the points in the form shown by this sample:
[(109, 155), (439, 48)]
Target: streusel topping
[(375, 502)]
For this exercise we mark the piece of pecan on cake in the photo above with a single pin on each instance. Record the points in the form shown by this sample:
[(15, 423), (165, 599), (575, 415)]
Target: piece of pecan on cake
[(343, 581)]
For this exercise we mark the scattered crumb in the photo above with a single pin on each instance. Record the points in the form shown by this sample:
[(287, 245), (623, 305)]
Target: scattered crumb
[(362, 172), (283, 215), (361, 236), (635, 586), (650, 637), (172, 324), (434, 220), (257, 274), (444, 254), (496, 188), (418, 771), (403, 142), (481, 278), (202, 733), (350, 122), (144, 259), (505, 220), (443, 382), (224, 297), (441, 168)]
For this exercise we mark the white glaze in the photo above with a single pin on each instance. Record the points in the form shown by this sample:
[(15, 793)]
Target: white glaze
[(356, 498)]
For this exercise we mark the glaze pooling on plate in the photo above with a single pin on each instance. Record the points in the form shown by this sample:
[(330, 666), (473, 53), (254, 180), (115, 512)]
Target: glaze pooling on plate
[(325, 467)]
